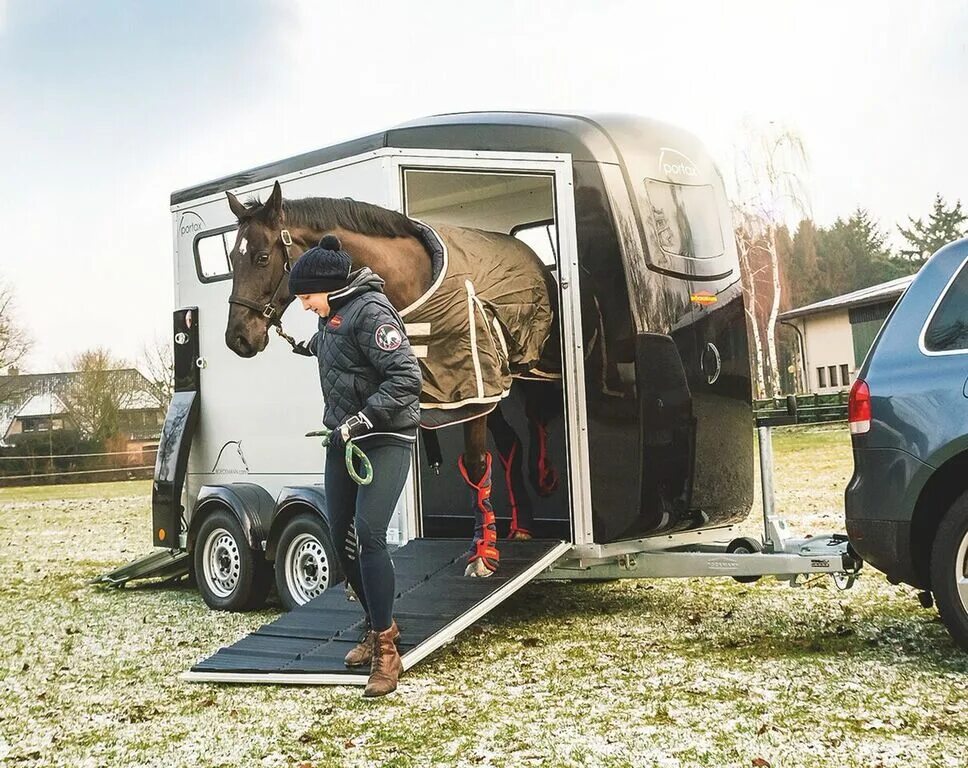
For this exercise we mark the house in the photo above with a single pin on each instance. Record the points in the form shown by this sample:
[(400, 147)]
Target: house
[(836, 334), (32, 404)]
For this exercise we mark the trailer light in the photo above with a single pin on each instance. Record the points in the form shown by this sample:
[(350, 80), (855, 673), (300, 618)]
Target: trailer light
[(859, 408), (161, 534), (703, 298)]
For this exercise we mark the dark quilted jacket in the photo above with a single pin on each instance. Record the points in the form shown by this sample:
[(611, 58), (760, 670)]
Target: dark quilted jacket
[(365, 360)]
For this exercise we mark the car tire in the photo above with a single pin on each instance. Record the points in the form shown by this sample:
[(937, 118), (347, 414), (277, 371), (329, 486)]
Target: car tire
[(949, 570), (306, 563), (230, 575)]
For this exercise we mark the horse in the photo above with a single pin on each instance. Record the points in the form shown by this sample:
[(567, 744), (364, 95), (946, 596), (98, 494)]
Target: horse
[(272, 235)]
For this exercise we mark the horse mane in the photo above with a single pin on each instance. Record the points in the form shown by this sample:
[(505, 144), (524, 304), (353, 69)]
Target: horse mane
[(345, 213)]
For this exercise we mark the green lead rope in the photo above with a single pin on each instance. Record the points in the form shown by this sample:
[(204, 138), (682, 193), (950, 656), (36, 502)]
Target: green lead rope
[(352, 450)]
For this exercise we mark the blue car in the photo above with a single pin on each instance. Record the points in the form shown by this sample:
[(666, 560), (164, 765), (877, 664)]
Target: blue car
[(907, 502)]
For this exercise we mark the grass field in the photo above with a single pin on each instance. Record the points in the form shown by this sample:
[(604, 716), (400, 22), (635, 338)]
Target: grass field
[(666, 673)]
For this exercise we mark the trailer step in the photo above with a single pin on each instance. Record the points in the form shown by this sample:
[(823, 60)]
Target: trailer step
[(434, 602), (166, 564)]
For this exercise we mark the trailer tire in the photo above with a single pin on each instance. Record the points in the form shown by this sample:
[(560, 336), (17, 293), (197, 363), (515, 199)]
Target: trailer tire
[(949, 566), (230, 576), (306, 562), (744, 545)]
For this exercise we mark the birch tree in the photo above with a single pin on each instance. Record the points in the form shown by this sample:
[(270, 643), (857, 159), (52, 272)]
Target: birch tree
[(770, 179)]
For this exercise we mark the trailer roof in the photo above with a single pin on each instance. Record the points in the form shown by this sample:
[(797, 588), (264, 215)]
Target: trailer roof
[(582, 136)]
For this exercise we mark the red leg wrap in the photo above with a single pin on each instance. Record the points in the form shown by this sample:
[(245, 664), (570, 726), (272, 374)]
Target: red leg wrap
[(507, 462), (547, 474), (485, 547)]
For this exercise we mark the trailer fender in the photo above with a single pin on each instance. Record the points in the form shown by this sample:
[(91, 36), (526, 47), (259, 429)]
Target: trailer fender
[(293, 500), (250, 503)]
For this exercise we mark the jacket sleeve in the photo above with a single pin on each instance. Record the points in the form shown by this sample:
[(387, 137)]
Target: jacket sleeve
[(312, 342), (381, 338)]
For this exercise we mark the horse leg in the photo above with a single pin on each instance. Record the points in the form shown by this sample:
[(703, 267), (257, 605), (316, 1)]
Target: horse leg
[(475, 468), (510, 451), (539, 409)]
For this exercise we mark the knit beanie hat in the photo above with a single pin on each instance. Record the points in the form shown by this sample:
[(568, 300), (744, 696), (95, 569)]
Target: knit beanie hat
[(321, 269)]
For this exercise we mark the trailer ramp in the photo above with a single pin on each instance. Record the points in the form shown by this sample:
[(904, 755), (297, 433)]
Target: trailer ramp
[(434, 602), (166, 564)]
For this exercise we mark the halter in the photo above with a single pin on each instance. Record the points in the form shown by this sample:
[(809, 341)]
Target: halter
[(271, 313)]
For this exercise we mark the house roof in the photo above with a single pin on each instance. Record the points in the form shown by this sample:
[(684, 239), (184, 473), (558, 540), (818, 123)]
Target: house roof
[(874, 294), (42, 405)]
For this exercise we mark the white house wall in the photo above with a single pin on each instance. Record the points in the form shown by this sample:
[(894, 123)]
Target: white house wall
[(829, 342)]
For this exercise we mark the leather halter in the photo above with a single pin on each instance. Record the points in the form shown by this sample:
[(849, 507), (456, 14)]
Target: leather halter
[(271, 313)]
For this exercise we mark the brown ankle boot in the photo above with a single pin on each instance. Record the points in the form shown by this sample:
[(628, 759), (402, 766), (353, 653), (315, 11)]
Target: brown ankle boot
[(363, 652), (385, 664)]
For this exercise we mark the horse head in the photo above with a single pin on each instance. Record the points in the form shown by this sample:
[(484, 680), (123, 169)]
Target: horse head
[(261, 258)]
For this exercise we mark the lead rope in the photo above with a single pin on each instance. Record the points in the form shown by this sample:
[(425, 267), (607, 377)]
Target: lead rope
[(352, 451)]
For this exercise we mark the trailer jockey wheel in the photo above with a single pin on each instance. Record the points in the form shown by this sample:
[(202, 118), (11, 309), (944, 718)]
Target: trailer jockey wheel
[(230, 576), (306, 563), (745, 545)]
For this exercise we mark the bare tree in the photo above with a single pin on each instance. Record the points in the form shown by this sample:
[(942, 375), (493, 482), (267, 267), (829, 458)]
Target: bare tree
[(97, 392), (15, 343), (749, 244), (158, 363), (770, 192)]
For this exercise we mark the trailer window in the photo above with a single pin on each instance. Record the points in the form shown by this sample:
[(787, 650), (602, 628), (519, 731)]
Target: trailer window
[(948, 330), (686, 219), (542, 238), (212, 251)]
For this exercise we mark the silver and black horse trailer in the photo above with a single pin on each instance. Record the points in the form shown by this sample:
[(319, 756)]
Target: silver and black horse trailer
[(649, 424)]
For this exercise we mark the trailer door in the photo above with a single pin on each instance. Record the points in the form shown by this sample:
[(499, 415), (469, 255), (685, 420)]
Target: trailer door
[(529, 195)]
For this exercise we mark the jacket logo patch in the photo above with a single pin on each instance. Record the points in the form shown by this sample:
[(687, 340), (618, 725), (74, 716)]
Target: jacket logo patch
[(336, 321), (388, 337)]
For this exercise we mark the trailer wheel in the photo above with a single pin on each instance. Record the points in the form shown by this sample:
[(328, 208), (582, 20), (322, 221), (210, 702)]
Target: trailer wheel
[(230, 576), (949, 570), (306, 563), (744, 545)]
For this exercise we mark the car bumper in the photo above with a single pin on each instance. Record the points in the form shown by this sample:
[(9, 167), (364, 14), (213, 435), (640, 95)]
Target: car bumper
[(879, 505)]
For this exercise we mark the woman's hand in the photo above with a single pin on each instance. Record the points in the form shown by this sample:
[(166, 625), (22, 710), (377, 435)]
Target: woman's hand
[(352, 428)]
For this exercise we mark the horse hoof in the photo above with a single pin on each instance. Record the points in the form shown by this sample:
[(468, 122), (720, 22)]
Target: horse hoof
[(477, 570)]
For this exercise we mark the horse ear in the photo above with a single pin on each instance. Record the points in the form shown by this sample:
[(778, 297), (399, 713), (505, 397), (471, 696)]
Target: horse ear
[(272, 209), (240, 211)]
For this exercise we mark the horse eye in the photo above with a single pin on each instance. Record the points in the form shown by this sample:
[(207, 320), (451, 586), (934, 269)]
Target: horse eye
[(263, 258)]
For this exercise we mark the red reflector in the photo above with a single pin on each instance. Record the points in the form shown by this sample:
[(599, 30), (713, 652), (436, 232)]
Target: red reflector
[(859, 408)]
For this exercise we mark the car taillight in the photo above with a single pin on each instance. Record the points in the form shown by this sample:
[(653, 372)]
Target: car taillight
[(859, 408)]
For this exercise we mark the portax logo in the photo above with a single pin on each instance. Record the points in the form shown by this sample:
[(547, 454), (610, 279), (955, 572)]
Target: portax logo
[(190, 224), (674, 163)]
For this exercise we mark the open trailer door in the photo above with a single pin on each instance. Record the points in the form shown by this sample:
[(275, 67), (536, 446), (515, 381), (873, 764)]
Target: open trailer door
[(434, 602)]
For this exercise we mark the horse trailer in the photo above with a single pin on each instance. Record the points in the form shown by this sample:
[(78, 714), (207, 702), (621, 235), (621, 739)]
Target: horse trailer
[(653, 434)]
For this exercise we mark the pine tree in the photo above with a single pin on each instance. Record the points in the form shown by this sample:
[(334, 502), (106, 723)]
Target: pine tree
[(944, 225)]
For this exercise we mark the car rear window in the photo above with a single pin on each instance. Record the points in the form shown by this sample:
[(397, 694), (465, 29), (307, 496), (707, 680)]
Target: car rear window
[(948, 329)]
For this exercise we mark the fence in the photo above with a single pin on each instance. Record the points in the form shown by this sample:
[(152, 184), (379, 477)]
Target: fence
[(809, 409), (49, 469)]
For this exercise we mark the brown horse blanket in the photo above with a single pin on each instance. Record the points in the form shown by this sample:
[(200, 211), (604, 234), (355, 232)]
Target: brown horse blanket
[(485, 318)]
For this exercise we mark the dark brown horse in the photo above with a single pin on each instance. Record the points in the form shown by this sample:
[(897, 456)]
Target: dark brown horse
[(273, 235)]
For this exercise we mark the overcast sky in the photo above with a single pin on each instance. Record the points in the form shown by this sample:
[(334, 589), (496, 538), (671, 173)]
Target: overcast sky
[(107, 107)]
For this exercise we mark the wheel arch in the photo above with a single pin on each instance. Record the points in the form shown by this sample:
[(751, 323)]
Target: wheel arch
[(292, 501), (250, 503), (940, 491)]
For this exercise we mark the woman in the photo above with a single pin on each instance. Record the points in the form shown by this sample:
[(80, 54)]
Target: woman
[(371, 386)]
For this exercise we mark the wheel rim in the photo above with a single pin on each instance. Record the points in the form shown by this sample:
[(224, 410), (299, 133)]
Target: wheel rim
[(961, 572), (222, 562), (307, 568)]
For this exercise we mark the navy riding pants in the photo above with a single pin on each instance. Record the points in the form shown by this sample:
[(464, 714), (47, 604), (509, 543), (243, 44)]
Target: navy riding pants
[(367, 565)]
